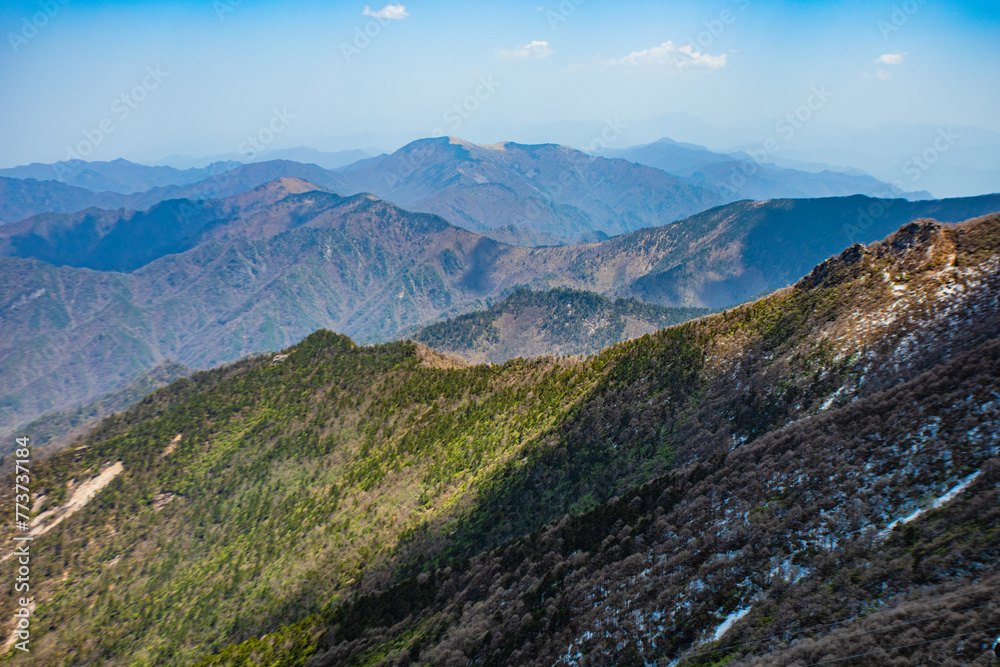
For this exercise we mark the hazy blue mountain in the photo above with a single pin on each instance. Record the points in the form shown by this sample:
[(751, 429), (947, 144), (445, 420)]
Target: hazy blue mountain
[(544, 188), (21, 198), (239, 180), (532, 195), (324, 158), (966, 160), (305, 155), (740, 176), (124, 240), (118, 175), (673, 157)]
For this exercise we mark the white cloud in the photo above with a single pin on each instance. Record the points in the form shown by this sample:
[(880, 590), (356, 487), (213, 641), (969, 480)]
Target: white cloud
[(669, 54), (890, 59), (395, 12), (534, 49)]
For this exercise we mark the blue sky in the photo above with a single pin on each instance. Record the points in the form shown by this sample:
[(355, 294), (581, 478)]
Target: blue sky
[(143, 80)]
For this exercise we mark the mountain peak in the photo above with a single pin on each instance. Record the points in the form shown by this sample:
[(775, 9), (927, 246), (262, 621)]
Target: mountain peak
[(276, 190), (499, 146), (291, 185), (448, 140), (913, 247)]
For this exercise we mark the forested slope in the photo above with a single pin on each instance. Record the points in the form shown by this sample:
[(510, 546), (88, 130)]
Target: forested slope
[(387, 505), (561, 321)]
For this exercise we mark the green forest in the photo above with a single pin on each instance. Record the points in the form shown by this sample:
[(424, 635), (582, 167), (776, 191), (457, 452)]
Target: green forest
[(341, 504)]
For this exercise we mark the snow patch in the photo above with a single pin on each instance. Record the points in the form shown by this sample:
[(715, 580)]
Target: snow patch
[(729, 622), (957, 489), (938, 502)]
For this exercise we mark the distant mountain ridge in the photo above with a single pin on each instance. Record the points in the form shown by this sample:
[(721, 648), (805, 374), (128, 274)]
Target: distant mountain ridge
[(298, 258), (304, 154), (126, 240), (532, 195), (560, 322), (119, 175), (542, 188), (24, 198), (741, 176), (126, 177), (325, 159), (538, 195)]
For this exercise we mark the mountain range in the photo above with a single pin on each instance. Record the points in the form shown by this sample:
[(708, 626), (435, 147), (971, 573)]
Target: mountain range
[(969, 166), (546, 189), (119, 175), (804, 478), (741, 176), (304, 154), (528, 195), (24, 198), (207, 282)]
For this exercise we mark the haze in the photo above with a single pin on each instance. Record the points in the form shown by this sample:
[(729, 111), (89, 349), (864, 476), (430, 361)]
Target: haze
[(347, 76)]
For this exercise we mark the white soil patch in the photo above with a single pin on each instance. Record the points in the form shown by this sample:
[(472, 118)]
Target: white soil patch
[(172, 446), (81, 496), (161, 500)]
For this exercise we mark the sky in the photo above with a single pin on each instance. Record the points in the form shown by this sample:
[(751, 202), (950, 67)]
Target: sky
[(142, 80)]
